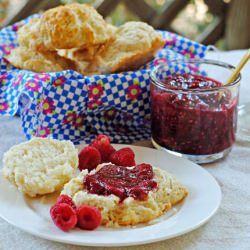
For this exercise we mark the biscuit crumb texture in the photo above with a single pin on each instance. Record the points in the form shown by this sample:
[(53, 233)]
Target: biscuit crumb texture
[(130, 211), (40, 166)]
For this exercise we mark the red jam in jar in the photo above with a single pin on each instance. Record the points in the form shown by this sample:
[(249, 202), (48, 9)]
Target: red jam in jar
[(192, 115), (123, 182)]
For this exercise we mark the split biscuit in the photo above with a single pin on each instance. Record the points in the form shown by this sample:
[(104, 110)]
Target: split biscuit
[(130, 211), (40, 166)]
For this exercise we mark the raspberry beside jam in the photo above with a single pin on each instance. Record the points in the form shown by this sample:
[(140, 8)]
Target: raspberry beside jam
[(121, 181), (193, 122)]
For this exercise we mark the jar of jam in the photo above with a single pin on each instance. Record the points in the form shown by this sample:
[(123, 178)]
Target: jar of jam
[(192, 112)]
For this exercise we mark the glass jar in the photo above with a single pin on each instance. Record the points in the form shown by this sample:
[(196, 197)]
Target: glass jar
[(192, 113)]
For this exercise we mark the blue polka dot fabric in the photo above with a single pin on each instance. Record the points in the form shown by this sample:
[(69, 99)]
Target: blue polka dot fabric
[(68, 105)]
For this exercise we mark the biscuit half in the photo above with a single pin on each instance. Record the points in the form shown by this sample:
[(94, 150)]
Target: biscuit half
[(40, 166), (129, 212)]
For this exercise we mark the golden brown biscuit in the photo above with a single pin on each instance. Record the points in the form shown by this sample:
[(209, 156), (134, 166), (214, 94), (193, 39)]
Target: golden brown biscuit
[(29, 36), (88, 53), (25, 58), (134, 45), (73, 26)]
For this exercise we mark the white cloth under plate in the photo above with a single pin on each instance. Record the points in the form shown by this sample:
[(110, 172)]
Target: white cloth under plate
[(228, 229)]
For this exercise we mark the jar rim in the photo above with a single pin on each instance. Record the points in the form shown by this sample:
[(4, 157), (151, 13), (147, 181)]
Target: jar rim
[(161, 85)]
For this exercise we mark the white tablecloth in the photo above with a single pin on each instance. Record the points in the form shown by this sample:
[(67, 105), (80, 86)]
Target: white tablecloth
[(228, 229)]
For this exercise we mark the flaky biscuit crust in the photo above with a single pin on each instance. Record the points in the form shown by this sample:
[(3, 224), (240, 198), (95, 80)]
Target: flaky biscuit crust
[(29, 59), (29, 36), (135, 44), (73, 26)]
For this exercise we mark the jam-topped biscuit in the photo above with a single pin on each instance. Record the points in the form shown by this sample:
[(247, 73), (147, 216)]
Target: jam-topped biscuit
[(40, 166), (126, 195)]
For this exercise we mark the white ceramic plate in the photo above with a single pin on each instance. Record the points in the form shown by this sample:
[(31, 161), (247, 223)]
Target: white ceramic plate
[(32, 215)]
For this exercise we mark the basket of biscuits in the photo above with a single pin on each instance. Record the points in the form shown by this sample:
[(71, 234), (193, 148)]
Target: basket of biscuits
[(71, 75)]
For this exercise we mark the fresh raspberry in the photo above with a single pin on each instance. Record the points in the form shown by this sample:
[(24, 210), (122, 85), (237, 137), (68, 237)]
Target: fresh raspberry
[(123, 157), (63, 198), (64, 216), (89, 158), (102, 143), (89, 217)]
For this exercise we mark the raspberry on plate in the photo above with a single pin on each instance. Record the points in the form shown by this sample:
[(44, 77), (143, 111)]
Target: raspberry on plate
[(123, 157), (89, 158), (63, 198), (63, 216), (89, 217), (102, 143)]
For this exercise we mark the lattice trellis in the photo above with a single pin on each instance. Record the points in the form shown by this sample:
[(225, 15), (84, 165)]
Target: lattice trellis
[(146, 13)]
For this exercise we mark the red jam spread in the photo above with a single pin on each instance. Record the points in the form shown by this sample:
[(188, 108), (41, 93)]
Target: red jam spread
[(121, 181), (193, 122)]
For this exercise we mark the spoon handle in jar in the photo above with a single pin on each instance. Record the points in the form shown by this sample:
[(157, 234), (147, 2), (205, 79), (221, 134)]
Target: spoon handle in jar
[(237, 70)]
